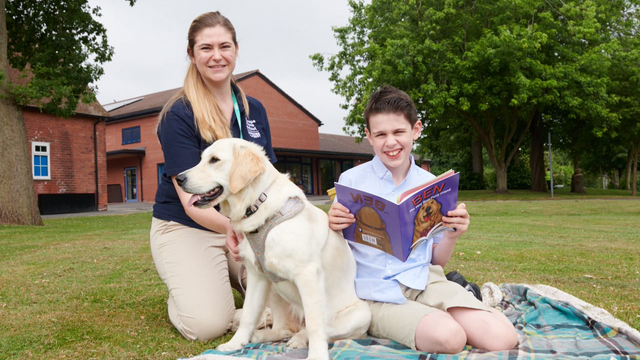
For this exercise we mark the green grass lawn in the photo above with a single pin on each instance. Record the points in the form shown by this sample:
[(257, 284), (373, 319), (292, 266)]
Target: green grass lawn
[(87, 288)]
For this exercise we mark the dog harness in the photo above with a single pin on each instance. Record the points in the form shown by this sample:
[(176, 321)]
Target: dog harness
[(257, 238)]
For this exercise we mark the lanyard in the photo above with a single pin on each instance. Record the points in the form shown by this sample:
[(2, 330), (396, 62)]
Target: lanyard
[(237, 110)]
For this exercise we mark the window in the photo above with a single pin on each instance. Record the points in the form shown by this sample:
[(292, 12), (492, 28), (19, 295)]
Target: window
[(40, 160), (131, 135)]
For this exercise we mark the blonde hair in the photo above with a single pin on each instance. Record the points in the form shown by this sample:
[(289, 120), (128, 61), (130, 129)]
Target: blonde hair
[(209, 117)]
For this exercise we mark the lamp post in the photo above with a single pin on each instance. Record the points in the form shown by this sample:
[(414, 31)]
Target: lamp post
[(550, 165)]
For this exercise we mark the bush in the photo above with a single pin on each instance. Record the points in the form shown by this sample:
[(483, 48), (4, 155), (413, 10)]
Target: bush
[(490, 177), (472, 181), (519, 177)]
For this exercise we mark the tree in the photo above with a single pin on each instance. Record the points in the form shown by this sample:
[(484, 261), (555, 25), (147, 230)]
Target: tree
[(57, 47), (495, 63), (625, 75)]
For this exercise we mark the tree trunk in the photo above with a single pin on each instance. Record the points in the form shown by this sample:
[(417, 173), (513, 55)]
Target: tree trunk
[(18, 203), (536, 159), (634, 184), (501, 178), (577, 179), (628, 170), (476, 156)]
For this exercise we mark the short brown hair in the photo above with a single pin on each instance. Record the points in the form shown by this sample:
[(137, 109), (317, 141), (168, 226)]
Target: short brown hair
[(390, 100)]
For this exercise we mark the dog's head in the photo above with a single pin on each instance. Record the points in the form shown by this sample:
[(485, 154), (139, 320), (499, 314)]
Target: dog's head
[(226, 167), (430, 211)]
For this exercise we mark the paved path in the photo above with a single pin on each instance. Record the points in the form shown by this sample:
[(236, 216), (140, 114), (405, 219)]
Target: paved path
[(136, 207)]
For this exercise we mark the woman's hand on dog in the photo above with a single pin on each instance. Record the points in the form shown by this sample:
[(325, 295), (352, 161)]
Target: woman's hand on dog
[(339, 217), (457, 219), (232, 240)]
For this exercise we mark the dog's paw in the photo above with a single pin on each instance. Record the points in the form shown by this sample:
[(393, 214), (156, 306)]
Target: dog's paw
[(299, 341), (230, 346)]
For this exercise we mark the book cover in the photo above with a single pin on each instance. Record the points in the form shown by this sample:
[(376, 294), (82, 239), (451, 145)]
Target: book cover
[(396, 228)]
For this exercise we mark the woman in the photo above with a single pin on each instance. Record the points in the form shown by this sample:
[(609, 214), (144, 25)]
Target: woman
[(189, 245)]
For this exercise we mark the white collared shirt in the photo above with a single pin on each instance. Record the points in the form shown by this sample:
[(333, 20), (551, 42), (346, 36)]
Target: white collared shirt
[(378, 273)]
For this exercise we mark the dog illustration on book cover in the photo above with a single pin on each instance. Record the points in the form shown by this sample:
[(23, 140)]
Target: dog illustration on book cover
[(371, 229), (426, 219)]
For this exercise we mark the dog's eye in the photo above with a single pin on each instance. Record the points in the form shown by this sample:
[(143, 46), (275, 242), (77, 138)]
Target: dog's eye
[(213, 160)]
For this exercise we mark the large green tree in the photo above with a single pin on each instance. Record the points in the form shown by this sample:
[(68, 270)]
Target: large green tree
[(495, 63), (58, 48), (625, 76)]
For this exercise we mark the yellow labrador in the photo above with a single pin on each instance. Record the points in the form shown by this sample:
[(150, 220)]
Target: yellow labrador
[(308, 268)]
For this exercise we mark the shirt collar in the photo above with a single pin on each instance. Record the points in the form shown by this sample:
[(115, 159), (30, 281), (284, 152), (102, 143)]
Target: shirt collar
[(382, 170)]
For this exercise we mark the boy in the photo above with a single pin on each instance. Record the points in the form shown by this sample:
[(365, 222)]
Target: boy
[(412, 302)]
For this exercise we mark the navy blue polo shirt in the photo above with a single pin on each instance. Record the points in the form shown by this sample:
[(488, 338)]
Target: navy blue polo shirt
[(182, 146)]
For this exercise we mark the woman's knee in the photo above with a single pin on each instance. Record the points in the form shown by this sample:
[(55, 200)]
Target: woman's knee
[(203, 327), (203, 324)]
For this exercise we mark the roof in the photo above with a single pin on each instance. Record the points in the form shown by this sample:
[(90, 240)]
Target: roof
[(93, 109), (153, 103), (344, 144)]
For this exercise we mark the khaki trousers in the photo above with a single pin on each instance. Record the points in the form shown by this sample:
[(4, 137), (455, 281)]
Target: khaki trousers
[(199, 273)]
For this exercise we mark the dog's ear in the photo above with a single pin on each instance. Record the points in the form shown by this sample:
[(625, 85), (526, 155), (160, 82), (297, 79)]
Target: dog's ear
[(247, 165)]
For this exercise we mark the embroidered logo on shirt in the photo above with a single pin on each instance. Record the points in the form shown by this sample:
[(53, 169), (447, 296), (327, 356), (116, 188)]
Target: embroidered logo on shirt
[(251, 129)]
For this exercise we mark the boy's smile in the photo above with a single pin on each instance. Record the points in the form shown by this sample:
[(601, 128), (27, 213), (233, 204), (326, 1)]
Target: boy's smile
[(391, 136)]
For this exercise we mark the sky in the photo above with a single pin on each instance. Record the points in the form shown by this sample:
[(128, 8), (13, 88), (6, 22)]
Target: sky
[(276, 37)]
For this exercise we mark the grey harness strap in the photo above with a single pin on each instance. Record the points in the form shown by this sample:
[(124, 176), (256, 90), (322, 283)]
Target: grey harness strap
[(257, 238)]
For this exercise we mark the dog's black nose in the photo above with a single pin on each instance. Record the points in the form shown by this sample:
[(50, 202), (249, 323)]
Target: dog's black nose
[(181, 179)]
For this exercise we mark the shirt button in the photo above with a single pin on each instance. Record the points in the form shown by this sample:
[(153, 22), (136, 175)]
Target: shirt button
[(388, 271)]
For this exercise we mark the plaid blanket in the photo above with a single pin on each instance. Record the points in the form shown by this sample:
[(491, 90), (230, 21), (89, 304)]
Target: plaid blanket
[(548, 328)]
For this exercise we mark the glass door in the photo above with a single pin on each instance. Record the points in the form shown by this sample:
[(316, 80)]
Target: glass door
[(131, 184)]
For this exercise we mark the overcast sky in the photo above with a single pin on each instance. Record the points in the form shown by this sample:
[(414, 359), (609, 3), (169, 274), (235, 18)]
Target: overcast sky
[(276, 37)]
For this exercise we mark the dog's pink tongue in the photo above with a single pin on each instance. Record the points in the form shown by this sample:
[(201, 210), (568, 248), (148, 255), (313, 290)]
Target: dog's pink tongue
[(193, 199)]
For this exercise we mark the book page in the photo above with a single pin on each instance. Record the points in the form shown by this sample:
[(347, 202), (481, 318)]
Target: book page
[(405, 195)]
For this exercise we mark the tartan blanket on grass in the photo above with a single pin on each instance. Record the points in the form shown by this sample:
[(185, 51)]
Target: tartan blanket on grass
[(551, 324)]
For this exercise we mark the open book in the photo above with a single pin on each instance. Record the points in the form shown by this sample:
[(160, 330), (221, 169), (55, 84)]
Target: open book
[(397, 228)]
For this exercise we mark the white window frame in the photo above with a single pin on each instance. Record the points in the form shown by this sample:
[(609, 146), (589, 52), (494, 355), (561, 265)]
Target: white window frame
[(40, 153)]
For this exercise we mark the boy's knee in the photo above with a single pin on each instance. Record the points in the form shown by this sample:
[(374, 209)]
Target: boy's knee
[(448, 337), (501, 338)]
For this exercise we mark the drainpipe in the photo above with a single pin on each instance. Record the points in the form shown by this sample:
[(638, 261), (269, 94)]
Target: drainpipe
[(95, 157), (140, 197)]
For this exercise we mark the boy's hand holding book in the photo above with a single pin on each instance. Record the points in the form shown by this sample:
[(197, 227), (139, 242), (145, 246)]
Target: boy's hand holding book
[(457, 219), (339, 217)]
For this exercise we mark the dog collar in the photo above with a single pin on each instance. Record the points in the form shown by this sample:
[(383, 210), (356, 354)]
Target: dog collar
[(253, 208)]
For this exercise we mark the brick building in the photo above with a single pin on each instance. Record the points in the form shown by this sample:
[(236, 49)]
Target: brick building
[(314, 160), (68, 158)]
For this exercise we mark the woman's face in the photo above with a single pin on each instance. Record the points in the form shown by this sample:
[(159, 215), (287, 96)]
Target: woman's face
[(215, 55)]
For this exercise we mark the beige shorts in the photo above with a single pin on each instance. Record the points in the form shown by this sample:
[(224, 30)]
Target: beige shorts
[(399, 322)]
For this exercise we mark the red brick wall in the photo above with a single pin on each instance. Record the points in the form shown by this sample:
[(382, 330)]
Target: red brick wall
[(148, 186), (72, 155), (291, 128)]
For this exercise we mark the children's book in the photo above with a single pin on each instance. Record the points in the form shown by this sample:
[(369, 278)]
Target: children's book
[(397, 228)]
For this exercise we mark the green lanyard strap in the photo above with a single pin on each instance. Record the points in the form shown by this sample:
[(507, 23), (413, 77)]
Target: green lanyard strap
[(237, 110)]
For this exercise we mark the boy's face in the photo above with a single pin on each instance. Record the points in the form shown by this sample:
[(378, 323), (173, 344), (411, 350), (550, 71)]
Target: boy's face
[(392, 136)]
